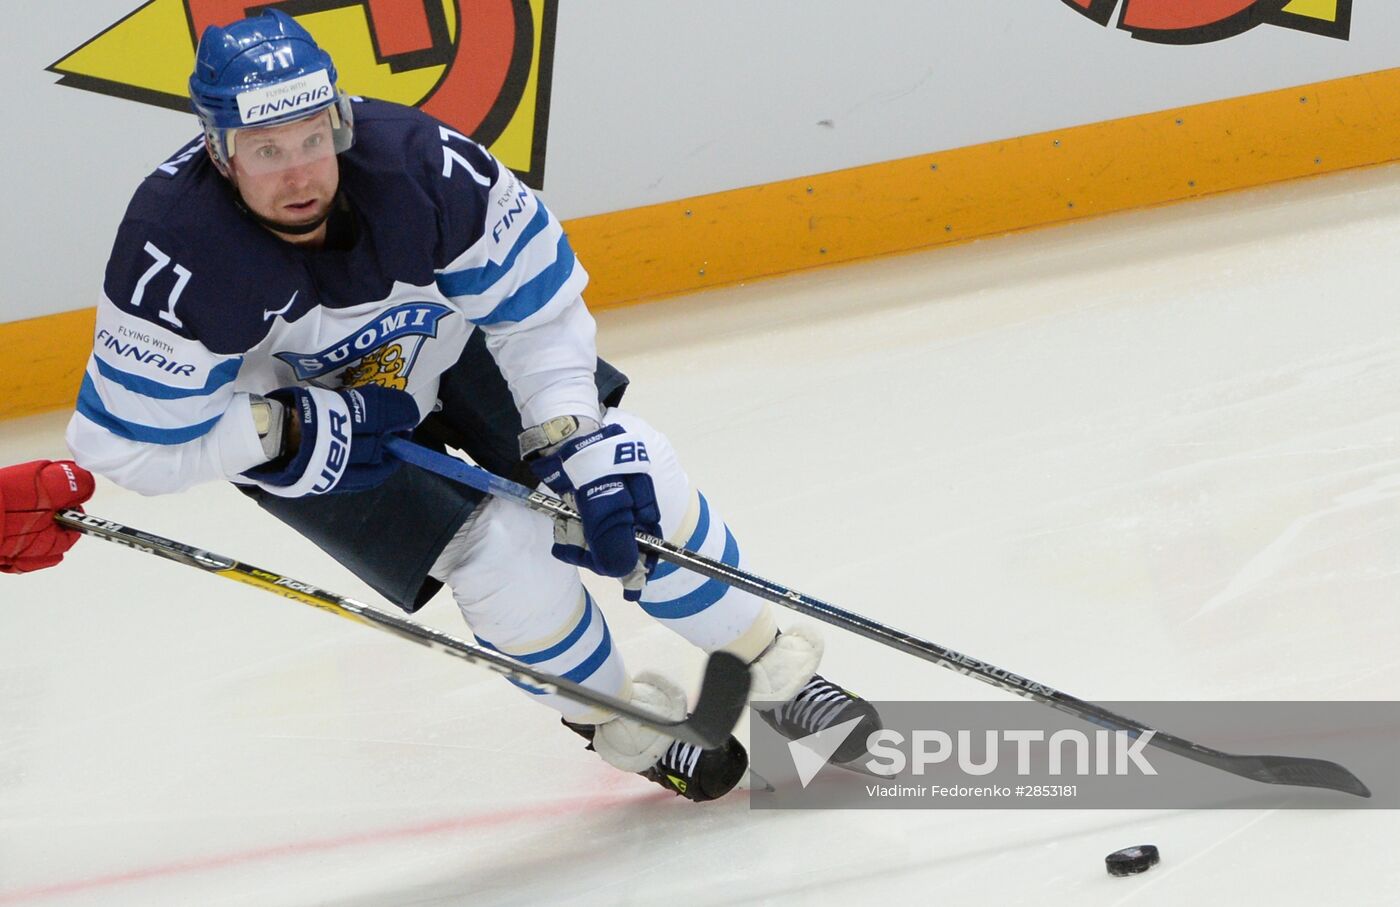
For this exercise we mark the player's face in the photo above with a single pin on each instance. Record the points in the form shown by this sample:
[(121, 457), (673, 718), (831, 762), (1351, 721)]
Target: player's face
[(288, 174)]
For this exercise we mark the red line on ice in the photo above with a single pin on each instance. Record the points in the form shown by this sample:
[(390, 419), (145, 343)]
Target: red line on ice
[(239, 858)]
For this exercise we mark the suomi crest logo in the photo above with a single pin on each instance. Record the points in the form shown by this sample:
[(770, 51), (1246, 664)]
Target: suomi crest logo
[(381, 351), (1203, 21), (484, 67)]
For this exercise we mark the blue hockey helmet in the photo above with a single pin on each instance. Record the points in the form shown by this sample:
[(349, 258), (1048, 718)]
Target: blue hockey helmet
[(264, 71)]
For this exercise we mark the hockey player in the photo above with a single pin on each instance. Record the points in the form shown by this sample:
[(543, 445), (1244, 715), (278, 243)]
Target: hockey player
[(30, 495), (316, 273)]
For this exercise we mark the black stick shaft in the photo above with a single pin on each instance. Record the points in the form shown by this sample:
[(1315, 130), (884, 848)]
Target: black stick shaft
[(722, 697), (1288, 770), (1268, 769)]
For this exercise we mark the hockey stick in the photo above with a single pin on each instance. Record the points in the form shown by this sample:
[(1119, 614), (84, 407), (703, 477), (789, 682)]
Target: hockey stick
[(723, 692), (1287, 770)]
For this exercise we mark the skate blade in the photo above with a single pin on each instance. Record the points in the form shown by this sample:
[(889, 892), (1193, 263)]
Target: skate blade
[(754, 781), (860, 769)]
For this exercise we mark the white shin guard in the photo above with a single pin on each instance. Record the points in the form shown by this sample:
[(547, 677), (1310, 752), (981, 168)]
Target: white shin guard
[(627, 745), (786, 665)]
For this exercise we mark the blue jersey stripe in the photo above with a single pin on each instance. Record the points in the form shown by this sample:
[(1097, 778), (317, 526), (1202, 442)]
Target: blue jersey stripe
[(586, 669), (520, 683), (534, 691), (564, 645), (475, 281), (593, 662), (537, 292), (697, 601), (218, 377), (90, 405), (697, 538)]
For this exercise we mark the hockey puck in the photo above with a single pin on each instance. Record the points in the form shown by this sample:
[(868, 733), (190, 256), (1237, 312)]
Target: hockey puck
[(1132, 860)]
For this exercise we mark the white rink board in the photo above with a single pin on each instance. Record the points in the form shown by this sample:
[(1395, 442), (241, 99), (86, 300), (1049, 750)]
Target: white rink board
[(713, 96), (655, 102), (1153, 456)]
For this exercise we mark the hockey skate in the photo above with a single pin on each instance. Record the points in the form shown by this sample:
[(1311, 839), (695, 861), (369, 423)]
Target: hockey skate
[(688, 771), (821, 704), (785, 672)]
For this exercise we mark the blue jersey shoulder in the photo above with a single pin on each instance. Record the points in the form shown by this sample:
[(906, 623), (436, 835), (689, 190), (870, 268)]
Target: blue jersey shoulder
[(189, 258), (178, 259), (447, 174)]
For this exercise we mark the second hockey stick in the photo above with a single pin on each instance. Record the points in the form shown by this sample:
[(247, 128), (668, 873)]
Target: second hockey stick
[(1293, 771), (723, 692)]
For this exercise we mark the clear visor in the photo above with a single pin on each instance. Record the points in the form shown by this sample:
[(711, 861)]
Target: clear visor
[(269, 149)]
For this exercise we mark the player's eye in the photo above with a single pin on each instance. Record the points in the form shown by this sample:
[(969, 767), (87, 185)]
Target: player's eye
[(267, 152), (315, 140)]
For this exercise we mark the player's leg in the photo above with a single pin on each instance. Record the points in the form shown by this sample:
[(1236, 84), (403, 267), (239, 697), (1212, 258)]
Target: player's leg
[(413, 533), (390, 535), (531, 608), (714, 615), (520, 600), (517, 597)]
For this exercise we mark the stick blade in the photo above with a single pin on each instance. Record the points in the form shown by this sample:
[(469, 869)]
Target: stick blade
[(723, 695), (1301, 772)]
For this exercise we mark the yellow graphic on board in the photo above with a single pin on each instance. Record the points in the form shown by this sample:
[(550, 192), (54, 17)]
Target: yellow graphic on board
[(1314, 9), (489, 80)]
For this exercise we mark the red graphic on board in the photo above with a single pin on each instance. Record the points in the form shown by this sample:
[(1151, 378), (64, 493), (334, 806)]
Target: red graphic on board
[(399, 26), (409, 34), (1203, 21)]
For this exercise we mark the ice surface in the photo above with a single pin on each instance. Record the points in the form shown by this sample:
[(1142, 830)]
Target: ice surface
[(1152, 456)]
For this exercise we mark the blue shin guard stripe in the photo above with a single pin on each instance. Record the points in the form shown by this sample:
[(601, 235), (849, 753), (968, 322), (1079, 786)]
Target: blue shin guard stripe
[(567, 642), (697, 538), (587, 669), (533, 691), (593, 662), (708, 593), (558, 648), (584, 669)]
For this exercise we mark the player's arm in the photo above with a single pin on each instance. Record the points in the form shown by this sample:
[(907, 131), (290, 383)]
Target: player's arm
[(157, 411), (508, 264), (156, 437), (520, 283)]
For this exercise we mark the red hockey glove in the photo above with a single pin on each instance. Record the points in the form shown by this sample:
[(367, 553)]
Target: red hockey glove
[(30, 495)]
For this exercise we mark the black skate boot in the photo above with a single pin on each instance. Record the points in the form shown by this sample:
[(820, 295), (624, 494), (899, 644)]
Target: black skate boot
[(822, 704), (688, 771)]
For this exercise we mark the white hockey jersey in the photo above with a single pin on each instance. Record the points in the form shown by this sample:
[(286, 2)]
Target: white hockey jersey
[(203, 307)]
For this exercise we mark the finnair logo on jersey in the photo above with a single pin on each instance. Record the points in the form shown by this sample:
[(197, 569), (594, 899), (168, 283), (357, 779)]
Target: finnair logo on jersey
[(285, 98), (132, 350), (414, 319)]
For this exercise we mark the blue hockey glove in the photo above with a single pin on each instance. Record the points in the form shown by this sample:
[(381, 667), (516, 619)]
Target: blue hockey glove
[(602, 472), (342, 439)]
